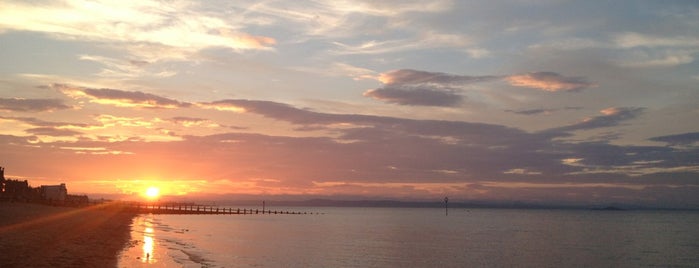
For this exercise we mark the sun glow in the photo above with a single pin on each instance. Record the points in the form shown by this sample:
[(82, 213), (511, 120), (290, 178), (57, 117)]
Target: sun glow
[(152, 192)]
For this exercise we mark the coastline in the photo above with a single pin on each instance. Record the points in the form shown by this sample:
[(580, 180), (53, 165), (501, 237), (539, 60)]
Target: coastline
[(33, 235), (154, 244)]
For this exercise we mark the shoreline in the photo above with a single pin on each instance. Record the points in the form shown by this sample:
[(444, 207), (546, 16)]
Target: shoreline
[(156, 245), (34, 235)]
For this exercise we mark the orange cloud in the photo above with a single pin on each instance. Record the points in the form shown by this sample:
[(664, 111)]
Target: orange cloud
[(248, 41), (549, 81)]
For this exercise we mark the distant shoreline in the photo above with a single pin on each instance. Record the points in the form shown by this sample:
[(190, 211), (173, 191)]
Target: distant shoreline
[(33, 235)]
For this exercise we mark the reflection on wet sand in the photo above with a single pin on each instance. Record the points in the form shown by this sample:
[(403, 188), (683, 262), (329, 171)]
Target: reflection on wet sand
[(155, 245), (148, 244)]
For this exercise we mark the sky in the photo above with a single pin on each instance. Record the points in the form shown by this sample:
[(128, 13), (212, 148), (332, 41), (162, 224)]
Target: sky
[(562, 102)]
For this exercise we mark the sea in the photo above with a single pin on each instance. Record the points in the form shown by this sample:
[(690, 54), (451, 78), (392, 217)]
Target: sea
[(417, 237)]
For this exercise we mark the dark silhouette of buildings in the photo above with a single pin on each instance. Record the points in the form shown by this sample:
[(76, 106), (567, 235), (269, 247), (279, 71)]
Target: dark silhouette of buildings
[(21, 191), (15, 190)]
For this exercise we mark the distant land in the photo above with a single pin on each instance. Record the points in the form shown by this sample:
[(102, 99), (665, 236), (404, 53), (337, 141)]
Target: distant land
[(427, 204)]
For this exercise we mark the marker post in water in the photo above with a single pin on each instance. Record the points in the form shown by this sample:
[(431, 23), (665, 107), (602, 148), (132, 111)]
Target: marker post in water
[(446, 206)]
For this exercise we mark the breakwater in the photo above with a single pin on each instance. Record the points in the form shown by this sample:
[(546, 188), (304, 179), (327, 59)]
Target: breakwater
[(188, 208)]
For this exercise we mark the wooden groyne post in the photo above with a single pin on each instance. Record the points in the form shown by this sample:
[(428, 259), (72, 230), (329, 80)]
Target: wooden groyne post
[(179, 208)]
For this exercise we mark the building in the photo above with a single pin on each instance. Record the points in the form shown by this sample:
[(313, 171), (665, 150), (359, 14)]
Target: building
[(54, 194)]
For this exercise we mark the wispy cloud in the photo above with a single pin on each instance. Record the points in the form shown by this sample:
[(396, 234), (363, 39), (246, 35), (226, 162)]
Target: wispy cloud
[(41, 123), (549, 81), (678, 139), (415, 87), (31, 105), (131, 98), (415, 96), (339, 19), (422, 41), (647, 50), (172, 24), (193, 122), (541, 110), (52, 131), (658, 57), (411, 77), (119, 68), (180, 25), (610, 117), (635, 39), (120, 98)]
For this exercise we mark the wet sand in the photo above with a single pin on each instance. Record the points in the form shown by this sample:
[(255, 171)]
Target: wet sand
[(44, 236)]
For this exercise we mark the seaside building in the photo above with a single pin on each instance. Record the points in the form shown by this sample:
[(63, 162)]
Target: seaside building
[(54, 194), (16, 190)]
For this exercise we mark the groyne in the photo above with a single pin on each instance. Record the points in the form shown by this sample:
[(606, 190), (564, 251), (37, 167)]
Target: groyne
[(188, 208)]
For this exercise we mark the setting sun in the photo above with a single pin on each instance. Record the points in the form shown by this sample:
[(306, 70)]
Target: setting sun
[(152, 192)]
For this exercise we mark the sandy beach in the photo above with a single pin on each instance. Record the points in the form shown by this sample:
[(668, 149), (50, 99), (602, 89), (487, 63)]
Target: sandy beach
[(34, 235)]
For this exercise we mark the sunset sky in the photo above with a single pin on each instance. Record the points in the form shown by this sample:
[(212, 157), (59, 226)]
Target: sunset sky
[(534, 101)]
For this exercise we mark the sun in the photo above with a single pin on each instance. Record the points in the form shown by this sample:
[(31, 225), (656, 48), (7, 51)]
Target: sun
[(152, 192)]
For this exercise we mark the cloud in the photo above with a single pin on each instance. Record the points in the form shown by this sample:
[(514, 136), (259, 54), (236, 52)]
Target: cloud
[(415, 96), (387, 149), (540, 110), (340, 69), (41, 123), (245, 40), (678, 139), (610, 117), (645, 50), (412, 77), (318, 19), (634, 39), (52, 131), (414, 87), (131, 98), (549, 81), (421, 41), (175, 24), (184, 119), (31, 105), (119, 68), (193, 122), (384, 152), (521, 171), (658, 57), (120, 98), (362, 123)]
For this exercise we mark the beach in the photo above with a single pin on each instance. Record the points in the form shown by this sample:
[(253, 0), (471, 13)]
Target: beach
[(33, 235)]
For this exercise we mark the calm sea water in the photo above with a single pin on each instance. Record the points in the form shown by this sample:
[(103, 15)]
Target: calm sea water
[(418, 237)]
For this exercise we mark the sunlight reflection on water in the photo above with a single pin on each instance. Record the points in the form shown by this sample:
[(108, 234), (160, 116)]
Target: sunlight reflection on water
[(152, 247), (148, 242)]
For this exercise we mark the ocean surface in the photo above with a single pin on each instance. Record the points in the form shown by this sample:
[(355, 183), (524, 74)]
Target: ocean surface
[(417, 237)]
